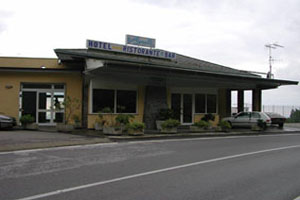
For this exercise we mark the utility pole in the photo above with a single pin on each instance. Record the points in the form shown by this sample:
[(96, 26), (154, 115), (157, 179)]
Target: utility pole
[(270, 47)]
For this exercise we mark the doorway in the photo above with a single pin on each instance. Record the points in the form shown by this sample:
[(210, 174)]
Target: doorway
[(44, 102), (182, 105)]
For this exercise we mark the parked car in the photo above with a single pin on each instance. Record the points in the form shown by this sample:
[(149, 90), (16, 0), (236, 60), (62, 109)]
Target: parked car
[(248, 119), (7, 121), (276, 118)]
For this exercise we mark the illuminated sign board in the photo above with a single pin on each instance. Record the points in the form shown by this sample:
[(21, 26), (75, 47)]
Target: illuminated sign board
[(92, 44), (140, 41)]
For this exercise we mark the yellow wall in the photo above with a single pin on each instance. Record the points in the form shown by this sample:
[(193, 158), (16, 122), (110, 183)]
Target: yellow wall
[(9, 98), (19, 62), (110, 117)]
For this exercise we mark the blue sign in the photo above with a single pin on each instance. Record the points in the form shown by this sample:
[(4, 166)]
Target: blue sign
[(92, 44), (140, 41)]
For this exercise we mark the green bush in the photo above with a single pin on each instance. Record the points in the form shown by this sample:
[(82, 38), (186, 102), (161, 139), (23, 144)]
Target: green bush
[(165, 114), (170, 123), (202, 124), (294, 116), (123, 118), (208, 117), (27, 119), (225, 125), (136, 126)]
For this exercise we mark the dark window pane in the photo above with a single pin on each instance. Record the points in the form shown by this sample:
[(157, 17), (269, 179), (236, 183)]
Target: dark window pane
[(176, 105), (59, 117), (126, 101), (200, 103), (59, 86), (102, 99), (187, 108), (211, 103), (36, 86), (44, 117)]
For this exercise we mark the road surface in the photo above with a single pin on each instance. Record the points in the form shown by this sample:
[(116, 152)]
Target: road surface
[(250, 167)]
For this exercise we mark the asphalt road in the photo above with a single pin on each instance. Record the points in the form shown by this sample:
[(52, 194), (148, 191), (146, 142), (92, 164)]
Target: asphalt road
[(258, 167)]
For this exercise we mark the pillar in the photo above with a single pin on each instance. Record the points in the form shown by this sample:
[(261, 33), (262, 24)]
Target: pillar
[(256, 99), (240, 96)]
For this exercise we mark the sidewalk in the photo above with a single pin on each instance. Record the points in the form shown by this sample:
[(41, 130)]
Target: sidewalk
[(11, 140)]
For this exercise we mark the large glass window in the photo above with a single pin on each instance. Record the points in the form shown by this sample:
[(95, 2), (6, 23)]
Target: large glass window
[(120, 101), (211, 103), (102, 99), (205, 103), (126, 101), (200, 103)]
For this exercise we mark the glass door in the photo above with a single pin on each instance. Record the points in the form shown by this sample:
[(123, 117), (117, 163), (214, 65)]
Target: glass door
[(44, 112), (182, 105)]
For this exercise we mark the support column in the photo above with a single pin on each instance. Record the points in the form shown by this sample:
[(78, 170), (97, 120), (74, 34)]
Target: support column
[(256, 99), (240, 96), (224, 103), (155, 99), (85, 98)]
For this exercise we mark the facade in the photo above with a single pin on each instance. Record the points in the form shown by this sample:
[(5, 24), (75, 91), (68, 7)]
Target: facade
[(125, 79)]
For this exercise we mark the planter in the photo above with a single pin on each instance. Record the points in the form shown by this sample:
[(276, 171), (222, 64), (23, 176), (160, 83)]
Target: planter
[(109, 130), (31, 126), (197, 129), (158, 124), (64, 127), (98, 126), (135, 132), (169, 130)]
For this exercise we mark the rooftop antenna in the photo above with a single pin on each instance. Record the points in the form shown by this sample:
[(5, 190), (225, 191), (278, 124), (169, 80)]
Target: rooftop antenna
[(270, 47)]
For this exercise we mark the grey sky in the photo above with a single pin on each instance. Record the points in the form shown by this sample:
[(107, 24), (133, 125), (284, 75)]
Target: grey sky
[(228, 32)]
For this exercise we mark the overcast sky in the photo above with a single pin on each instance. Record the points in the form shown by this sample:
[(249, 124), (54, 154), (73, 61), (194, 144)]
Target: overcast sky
[(232, 33)]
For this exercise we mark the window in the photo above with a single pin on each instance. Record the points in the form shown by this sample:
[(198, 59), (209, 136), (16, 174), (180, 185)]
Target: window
[(126, 101), (205, 103), (211, 103), (102, 99), (119, 101), (200, 103)]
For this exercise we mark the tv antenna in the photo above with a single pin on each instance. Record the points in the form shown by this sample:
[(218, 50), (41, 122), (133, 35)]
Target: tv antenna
[(270, 47)]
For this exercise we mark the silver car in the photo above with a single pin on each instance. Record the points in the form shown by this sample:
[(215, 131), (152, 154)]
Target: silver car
[(6, 121), (248, 119)]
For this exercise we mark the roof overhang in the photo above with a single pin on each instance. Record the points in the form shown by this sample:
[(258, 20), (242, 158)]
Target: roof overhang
[(119, 63)]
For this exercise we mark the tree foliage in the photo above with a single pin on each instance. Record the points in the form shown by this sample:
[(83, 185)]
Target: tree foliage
[(295, 116)]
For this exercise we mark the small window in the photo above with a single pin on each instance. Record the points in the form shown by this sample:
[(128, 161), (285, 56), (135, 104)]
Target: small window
[(126, 101), (211, 103), (200, 103), (103, 98)]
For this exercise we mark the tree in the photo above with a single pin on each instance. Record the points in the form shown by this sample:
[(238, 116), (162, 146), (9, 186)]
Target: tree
[(295, 116)]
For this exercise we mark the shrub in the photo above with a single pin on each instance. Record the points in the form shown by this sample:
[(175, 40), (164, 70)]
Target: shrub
[(225, 125), (208, 117), (202, 124), (136, 126), (123, 118), (170, 123), (27, 119), (165, 114)]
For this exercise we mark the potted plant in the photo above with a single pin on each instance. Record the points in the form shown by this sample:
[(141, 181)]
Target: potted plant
[(99, 123), (71, 105), (170, 126), (77, 122), (135, 128), (224, 126), (28, 122), (200, 126), (163, 115)]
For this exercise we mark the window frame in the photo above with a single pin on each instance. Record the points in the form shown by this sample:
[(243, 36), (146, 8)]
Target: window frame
[(115, 100), (206, 103)]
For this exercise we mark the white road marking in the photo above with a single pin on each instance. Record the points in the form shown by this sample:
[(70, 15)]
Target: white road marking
[(153, 172)]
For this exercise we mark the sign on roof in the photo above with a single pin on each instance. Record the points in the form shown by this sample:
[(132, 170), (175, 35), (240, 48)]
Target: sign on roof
[(140, 41), (106, 46)]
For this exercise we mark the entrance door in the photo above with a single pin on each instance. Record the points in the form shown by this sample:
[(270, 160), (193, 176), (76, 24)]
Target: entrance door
[(44, 112), (182, 105), (29, 104)]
